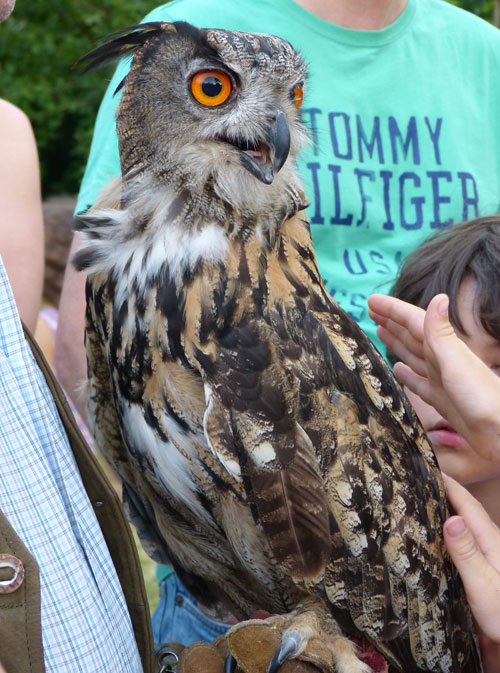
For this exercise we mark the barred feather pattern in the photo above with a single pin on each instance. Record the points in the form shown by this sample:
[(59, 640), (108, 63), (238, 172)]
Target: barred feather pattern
[(266, 450)]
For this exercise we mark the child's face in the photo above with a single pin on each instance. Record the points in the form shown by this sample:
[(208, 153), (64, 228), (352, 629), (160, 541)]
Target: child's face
[(454, 455)]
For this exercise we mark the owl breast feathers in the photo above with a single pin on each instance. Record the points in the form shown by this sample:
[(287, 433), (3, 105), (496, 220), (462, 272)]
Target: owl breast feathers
[(265, 449)]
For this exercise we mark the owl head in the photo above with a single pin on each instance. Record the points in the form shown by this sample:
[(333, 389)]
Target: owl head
[(208, 106)]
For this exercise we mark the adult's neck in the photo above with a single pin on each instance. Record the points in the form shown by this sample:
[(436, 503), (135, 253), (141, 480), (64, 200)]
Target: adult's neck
[(356, 14)]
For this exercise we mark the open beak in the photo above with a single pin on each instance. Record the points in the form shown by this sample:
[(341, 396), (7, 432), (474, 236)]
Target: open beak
[(268, 156)]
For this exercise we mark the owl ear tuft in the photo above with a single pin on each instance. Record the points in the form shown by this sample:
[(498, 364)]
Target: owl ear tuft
[(122, 43)]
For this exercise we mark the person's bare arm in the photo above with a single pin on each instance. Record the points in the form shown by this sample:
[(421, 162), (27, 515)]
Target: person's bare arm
[(21, 219), (69, 355), (441, 369)]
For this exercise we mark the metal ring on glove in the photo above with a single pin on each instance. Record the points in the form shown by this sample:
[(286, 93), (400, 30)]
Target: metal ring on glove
[(168, 667), (14, 564)]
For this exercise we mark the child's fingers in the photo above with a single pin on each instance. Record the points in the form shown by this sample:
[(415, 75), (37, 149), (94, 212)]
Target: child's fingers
[(400, 312), (486, 533), (481, 580), (404, 347), (408, 377)]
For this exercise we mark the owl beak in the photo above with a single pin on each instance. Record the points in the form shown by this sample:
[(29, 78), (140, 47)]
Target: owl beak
[(271, 153)]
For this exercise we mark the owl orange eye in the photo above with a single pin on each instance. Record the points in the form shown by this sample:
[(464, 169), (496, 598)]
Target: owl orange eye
[(211, 87), (298, 95)]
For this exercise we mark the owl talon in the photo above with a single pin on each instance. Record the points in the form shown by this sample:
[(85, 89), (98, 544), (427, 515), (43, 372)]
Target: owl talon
[(290, 646), (230, 664)]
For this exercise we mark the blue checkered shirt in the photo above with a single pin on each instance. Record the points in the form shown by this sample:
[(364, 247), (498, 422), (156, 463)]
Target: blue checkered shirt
[(86, 627)]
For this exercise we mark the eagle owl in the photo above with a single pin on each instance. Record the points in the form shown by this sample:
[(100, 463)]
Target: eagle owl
[(265, 449)]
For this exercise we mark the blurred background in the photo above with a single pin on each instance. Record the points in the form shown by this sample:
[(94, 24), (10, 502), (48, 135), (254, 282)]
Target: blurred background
[(39, 46)]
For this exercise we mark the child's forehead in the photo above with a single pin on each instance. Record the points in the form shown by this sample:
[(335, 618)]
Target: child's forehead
[(468, 298), (467, 306)]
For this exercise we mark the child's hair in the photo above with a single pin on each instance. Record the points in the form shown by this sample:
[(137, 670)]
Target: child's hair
[(469, 249)]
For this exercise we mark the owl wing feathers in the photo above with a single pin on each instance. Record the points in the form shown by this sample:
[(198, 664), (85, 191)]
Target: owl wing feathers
[(106, 428), (385, 489), (342, 484), (252, 392), (292, 420), (171, 531)]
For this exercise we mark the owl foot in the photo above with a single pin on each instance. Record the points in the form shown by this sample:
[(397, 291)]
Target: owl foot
[(293, 643), (317, 640), (299, 642)]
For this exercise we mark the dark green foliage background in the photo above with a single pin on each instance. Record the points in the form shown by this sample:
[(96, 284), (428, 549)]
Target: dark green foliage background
[(483, 8), (39, 45), (41, 42)]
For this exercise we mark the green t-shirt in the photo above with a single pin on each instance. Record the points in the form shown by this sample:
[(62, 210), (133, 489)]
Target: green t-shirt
[(405, 129)]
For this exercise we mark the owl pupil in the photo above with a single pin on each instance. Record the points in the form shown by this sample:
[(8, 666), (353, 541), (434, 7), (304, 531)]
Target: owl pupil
[(212, 86)]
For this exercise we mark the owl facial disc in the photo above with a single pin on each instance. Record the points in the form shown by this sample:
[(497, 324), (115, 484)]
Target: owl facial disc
[(267, 157)]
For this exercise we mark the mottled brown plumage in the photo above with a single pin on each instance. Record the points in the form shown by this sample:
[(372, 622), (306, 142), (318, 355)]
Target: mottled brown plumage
[(265, 448)]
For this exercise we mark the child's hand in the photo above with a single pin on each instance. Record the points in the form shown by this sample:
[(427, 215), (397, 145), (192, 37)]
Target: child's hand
[(473, 542), (441, 369)]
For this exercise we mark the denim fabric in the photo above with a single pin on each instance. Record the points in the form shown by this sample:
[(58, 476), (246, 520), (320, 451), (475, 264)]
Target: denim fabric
[(178, 618)]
